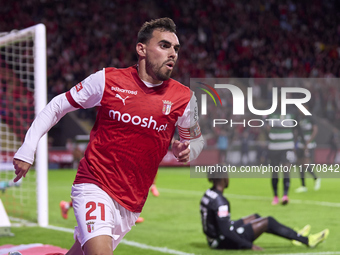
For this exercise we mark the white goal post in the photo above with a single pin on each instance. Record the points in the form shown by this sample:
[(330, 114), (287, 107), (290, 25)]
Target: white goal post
[(23, 73)]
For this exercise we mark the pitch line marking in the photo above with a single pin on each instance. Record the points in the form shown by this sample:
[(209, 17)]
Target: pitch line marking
[(174, 252), (131, 243), (246, 197), (305, 253), (68, 230)]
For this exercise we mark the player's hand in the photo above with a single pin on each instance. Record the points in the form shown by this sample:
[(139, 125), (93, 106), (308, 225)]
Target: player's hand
[(256, 248), (21, 168), (181, 151)]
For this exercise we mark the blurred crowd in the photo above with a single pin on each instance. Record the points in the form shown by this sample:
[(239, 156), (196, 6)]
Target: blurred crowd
[(219, 38), (236, 131)]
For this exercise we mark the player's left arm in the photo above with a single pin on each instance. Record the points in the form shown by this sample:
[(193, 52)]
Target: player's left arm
[(191, 140)]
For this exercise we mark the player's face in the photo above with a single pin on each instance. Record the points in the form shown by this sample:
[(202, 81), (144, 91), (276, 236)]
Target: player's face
[(161, 54)]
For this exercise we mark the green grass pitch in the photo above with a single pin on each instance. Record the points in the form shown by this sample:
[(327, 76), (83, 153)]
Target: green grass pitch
[(172, 220)]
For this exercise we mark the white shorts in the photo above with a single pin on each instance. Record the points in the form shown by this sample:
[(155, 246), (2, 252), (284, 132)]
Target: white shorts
[(98, 214)]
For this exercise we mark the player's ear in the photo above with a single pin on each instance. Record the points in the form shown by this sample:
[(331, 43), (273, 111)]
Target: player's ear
[(141, 49)]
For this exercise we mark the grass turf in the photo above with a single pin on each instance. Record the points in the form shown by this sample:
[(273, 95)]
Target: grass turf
[(172, 220)]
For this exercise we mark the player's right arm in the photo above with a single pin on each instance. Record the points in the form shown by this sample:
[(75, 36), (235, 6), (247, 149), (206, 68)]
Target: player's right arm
[(47, 118), (21, 168), (88, 96)]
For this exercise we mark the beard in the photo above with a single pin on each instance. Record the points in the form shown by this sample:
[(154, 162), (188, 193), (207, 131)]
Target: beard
[(155, 71)]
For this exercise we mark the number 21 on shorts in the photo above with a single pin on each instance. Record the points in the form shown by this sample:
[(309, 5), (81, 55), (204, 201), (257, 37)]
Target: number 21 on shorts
[(92, 206)]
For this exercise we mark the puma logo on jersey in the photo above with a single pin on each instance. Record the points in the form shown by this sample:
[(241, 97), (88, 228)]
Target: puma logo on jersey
[(123, 99)]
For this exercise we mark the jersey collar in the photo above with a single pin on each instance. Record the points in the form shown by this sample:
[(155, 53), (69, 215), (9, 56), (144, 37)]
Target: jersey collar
[(141, 84)]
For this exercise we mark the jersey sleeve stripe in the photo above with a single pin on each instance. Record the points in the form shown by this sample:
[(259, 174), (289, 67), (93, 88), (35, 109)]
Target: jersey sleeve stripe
[(184, 133), (189, 133), (71, 100)]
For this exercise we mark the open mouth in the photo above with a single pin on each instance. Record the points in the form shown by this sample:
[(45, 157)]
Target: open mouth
[(170, 64)]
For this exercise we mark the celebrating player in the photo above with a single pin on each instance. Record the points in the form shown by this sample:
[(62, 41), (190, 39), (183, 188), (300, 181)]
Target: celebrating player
[(223, 233), (138, 110)]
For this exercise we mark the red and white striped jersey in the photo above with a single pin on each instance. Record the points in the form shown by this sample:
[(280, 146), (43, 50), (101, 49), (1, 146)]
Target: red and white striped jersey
[(132, 132)]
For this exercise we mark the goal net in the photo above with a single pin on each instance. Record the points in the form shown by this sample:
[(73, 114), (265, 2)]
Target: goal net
[(23, 94)]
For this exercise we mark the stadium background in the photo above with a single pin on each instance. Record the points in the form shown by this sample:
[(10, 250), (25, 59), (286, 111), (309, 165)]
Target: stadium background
[(218, 39), (263, 38)]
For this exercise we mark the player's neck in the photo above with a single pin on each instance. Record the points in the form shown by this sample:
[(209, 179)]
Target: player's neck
[(144, 76), (219, 187)]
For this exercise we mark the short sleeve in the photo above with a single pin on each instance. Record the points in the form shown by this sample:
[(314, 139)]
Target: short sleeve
[(89, 92)]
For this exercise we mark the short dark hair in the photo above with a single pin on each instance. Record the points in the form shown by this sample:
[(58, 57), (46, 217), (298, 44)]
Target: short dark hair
[(215, 177), (163, 24)]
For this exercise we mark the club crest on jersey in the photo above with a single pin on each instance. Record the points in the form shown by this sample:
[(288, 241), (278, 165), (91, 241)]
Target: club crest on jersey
[(166, 107), (90, 226), (79, 87)]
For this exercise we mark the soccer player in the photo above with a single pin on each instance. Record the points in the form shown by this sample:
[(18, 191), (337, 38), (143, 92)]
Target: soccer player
[(281, 149), (66, 206), (333, 146), (139, 108), (223, 233), (154, 189), (305, 151)]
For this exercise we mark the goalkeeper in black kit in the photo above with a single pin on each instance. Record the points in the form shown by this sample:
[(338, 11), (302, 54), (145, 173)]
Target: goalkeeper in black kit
[(223, 233)]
